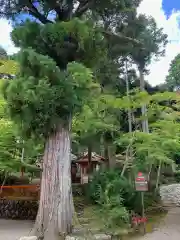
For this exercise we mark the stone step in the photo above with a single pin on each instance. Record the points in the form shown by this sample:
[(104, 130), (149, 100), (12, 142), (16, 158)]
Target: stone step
[(99, 236), (84, 230)]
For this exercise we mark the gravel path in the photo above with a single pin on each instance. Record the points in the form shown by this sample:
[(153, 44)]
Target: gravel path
[(13, 229), (169, 229)]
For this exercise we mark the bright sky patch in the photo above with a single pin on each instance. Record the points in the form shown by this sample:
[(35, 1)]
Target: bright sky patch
[(170, 5)]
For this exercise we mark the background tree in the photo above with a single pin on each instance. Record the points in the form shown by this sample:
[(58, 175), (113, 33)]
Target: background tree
[(155, 148), (162, 125), (173, 78), (9, 155), (3, 53), (96, 120), (15, 153), (153, 46)]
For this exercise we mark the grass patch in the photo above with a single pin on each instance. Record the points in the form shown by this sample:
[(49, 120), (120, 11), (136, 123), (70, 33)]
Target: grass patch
[(91, 219)]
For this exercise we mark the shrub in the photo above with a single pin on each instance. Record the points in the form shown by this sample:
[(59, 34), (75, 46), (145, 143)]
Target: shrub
[(114, 214), (120, 188), (177, 176)]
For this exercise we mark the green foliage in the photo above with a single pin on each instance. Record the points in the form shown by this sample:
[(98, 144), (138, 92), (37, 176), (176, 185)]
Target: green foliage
[(8, 67), (2, 108), (149, 150), (11, 143), (95, 119), (116, 197), (64, 42), (152, 39), (108, 190), (177, 177), (8, 155), (114, 214), (41, 95), (107, 71), (50, 86), (173, 78), (8, 152), (155, 147), (120, 187), (11, 149)]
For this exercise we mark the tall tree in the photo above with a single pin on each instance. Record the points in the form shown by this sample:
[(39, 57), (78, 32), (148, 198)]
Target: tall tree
[(50, 87), (173, 77), (153, 45)]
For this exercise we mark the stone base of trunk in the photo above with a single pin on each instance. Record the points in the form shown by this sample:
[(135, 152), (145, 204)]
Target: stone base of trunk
[(18, 209)]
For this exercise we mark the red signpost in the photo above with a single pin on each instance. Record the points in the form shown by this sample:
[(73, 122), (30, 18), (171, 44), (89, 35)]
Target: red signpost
[(141, 185)]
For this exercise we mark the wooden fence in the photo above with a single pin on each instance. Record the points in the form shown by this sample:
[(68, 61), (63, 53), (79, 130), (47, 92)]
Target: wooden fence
[(20, 192)]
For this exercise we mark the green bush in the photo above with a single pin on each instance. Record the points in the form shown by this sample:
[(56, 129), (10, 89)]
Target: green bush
[(105, 189), (120, 189), (177, 176), (112, 210)]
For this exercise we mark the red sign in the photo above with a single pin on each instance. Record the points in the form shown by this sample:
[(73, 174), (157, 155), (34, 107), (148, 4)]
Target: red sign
[(137, 220), (141, 183), (140, 179)]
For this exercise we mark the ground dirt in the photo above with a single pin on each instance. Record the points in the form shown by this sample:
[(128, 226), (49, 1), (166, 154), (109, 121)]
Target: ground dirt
[(13, 229), (168, 229)]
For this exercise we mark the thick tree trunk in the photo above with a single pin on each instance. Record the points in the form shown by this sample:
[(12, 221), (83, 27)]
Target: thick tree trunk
[(55, 214), (145, 125)]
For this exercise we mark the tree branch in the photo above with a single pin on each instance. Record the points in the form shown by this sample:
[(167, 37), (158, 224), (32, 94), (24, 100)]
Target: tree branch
[(4, 181), (33, 167), (35, 13), (63, 10), (26, 164), (121, 37), (127, 151), (83, 7)]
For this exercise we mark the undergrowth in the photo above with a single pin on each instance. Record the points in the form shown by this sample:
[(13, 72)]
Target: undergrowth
[(116, 199)]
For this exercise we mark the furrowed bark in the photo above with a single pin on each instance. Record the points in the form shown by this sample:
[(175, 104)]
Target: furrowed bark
[(55, 214)]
